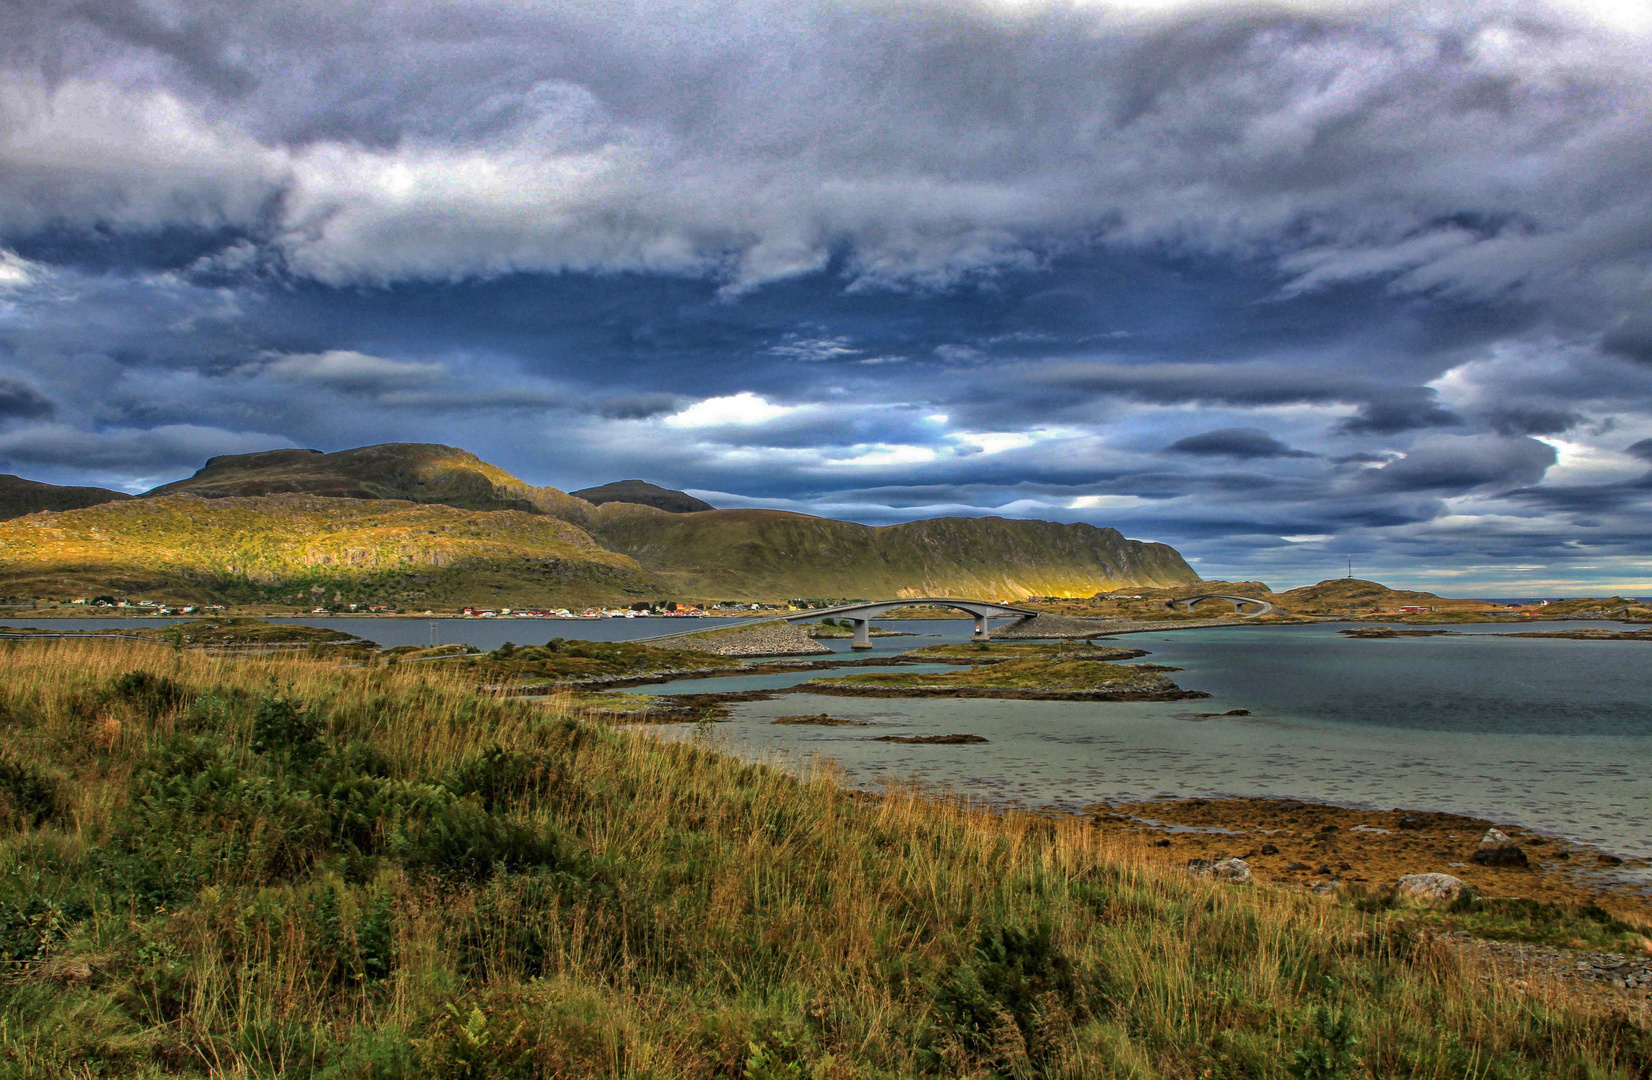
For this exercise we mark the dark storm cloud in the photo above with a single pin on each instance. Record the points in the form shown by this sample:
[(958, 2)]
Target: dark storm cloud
[(1642, 449), (1347, 265), (1382, 408), (1630, 339), (637, 406), (1234, 442), (1399, 409), (1533, 421), (1466, 463), (20, 400), (926, 144)]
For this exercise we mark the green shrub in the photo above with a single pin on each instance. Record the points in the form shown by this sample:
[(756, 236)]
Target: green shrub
[(284, 729), (495, 776), (1327, 1053), (28, 799), (997, 1000), (460, 839), (155, 695)]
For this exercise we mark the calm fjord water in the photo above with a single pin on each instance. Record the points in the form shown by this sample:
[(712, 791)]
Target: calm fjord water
[(1552, 734)]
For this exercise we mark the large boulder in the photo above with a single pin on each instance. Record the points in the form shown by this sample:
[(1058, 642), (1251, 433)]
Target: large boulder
[(1236, 871), (1430, 887), (1497, 849)]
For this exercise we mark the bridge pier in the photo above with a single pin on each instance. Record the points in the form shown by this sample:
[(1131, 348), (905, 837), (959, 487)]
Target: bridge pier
[(863, 637), (981, 633)]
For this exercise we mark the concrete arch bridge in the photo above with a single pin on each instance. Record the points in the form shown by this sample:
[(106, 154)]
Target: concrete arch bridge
[(861, 615), (1238, 602)]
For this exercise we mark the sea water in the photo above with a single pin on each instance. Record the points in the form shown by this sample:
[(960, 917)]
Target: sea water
[(1551, 734)]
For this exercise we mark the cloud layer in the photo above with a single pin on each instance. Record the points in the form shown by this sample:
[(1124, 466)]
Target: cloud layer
[(1271, 283)]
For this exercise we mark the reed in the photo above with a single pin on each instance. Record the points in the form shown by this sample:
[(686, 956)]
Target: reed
[(276, 866)]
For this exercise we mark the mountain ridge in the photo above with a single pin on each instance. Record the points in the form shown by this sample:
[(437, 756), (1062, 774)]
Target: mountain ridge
[(415, 472), (19, 496), (735, 553), (642, 493), (450, 527)]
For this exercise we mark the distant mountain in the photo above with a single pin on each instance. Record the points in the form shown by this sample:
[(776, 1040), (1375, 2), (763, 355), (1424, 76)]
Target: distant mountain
[(19, 496), (642, 493), (416, 472), (419, 523), (312, 550), (772, 554), (1339, 596)]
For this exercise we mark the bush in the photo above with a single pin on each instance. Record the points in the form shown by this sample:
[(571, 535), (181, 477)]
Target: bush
[(1000, 998), (283, 729), (462, 840), (1328, 1051), (28, 799), (155, 695), (495, 776)]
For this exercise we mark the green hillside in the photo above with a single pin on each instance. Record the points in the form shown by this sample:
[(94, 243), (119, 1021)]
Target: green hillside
[(763, 554), (416, 472), (302, 549), (19, 496), (419, 523)]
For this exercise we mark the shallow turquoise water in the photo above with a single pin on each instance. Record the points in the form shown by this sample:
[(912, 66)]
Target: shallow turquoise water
[(1550, 734)]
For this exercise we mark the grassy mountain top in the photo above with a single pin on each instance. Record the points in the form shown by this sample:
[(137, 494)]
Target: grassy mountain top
[(415, 472), (643, 494), (305, 549), (19, 496), (284, 868), (1337, 596), (757, 554)]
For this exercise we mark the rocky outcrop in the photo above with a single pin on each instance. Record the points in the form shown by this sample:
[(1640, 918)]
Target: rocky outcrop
[(776, 638), (1497, 849), (1430, 887), (1234, 871)]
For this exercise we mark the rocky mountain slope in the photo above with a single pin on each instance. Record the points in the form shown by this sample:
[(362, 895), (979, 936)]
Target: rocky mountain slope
[(19, 496), (741, 554)]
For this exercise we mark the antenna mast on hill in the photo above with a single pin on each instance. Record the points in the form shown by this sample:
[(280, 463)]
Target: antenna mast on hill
[(1350, 566)]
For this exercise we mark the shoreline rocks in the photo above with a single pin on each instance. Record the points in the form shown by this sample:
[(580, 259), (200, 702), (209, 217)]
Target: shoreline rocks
[(778, 638), (1233, 871), (1496, 849), (1430, 886)]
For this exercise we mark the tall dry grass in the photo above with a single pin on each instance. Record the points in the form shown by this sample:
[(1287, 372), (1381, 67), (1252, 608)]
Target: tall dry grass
[(701, 916)]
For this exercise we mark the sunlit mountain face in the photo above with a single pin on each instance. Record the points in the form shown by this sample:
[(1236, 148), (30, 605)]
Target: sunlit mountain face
[(1280, 286)]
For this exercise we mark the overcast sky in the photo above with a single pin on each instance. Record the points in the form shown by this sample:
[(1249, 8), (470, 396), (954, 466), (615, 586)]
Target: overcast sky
[(1276, 284)]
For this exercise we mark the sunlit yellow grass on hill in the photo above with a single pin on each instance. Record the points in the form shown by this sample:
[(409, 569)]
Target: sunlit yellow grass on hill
[(299, 547)]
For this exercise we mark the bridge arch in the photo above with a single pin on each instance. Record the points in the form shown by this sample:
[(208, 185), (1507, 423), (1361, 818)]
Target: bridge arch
[(1238, 602), (861, 615)]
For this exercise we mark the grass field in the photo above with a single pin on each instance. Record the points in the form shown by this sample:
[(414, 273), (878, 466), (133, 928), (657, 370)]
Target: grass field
[(247, 867)]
